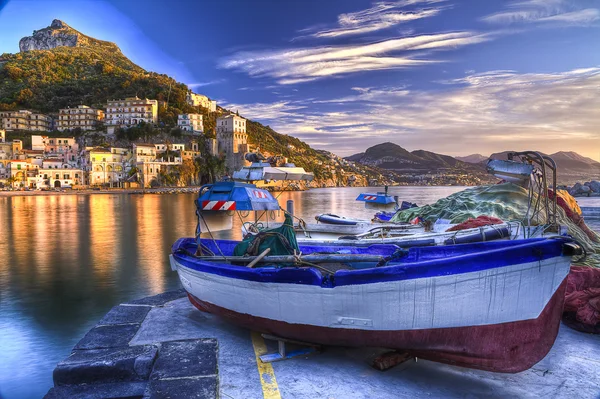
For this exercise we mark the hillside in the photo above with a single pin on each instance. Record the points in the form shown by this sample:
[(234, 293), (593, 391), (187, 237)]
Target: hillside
[(60, 67), (421, 166)]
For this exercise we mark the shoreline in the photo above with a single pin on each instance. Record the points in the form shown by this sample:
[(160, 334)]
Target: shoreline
[(163, 190)]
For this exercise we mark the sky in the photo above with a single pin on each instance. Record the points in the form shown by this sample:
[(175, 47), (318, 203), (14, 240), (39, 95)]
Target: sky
[(451, 76)]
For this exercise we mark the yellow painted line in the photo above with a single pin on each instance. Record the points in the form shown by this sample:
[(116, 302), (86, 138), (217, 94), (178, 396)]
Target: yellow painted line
[(265, 370)]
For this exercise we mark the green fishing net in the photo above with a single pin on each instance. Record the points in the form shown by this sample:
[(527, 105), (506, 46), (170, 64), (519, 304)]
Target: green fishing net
[(506, 201)]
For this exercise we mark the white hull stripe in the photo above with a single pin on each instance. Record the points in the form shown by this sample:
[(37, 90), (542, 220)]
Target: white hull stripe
[(218, 205), (491, 296)]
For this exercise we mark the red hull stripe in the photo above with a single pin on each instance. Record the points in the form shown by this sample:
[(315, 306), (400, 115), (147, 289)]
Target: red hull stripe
[(506, 347)]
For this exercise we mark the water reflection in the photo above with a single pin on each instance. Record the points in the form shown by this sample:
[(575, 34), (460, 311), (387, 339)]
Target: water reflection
[(65, 260)]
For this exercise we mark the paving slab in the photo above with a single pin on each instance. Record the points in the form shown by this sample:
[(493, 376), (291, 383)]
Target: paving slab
[(106, 365), (160, 299), (188, 358), (123, 390), (108, 336), (124, 314), (184, 388), (179, 320)]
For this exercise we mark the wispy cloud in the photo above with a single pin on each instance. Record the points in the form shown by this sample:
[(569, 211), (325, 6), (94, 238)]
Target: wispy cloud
[(483, 112), (291, 66), (549, 12), (202, 84), (382, 15)]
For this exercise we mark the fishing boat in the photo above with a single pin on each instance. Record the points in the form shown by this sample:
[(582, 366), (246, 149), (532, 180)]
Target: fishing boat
[(378, 200), (493, 305)]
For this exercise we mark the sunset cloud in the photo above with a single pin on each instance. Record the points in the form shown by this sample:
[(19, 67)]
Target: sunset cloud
[(495, 109)]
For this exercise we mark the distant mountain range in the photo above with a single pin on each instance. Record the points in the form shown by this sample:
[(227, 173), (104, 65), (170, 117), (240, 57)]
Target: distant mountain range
[(422, 165), (571, 166), (473, 158)]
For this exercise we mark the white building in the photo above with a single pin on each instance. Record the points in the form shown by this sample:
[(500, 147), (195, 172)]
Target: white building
[(24, 120), (231, 133), (198, 100), (66, 177), (190, 123), (82, 117), (130, 112)]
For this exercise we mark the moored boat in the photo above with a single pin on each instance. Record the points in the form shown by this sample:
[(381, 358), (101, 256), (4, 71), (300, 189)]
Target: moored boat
[(493, 305)]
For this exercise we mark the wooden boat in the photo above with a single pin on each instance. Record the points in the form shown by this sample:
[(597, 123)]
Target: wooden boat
[(493, 305)]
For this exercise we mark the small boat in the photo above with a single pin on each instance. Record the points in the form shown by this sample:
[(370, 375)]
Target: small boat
[(492, 305), (330, 218)]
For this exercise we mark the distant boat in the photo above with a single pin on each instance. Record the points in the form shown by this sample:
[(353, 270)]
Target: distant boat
[(330, 218), (493, 305)]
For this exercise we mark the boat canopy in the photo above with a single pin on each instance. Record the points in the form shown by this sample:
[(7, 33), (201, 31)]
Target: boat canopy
[(376, 198), (264, 171), (231, 196)]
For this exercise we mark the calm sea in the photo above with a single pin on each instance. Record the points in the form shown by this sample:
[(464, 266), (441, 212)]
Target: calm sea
[(65, 260)]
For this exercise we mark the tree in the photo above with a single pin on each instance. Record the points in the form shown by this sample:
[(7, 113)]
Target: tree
[(209, 167)]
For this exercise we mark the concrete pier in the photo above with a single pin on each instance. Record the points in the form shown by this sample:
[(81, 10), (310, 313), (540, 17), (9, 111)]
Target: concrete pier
[(164, 347)]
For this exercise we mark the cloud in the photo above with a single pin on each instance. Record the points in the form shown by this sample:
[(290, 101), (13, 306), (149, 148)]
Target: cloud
[(484, 112), (290, 66), (548, 12), (202, 84), (382, 15)]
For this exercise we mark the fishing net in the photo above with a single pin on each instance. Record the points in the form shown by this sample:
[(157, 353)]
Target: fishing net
[(508, 202), (281, 240)]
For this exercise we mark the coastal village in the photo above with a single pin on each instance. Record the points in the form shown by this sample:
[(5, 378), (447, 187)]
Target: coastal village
[(69, 162), (72, 161)]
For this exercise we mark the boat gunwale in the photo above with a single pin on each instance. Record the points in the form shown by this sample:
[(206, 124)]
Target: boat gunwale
[(467, 262)]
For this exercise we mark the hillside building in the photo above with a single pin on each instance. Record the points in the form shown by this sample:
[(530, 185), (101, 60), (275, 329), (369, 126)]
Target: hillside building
[(107, 165), (24, 120), (191, 123), (130, 112), (232, 140), (58, 178), (82, 117), (198, 100)]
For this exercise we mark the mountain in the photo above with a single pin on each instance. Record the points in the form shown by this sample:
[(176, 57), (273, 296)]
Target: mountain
[(60, 67), (60, 34), (422, 166), (571, 166), (473, 158)]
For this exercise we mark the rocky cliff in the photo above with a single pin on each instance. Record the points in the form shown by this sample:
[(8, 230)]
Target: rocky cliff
[(60, 34)]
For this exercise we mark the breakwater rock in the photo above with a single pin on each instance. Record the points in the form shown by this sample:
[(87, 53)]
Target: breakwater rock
[(589, 189)]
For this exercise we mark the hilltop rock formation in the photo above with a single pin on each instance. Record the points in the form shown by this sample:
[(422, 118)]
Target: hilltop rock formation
[(60, 34)]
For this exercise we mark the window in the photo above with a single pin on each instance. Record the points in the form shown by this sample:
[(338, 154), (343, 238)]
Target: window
[(65, 176), (77, 175)]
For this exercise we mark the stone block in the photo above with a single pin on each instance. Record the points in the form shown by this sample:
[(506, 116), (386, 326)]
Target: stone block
[(108, 337), (122, 390), (183, 388), (160, 299), (121, 314), (132, 363), (187, 358)]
